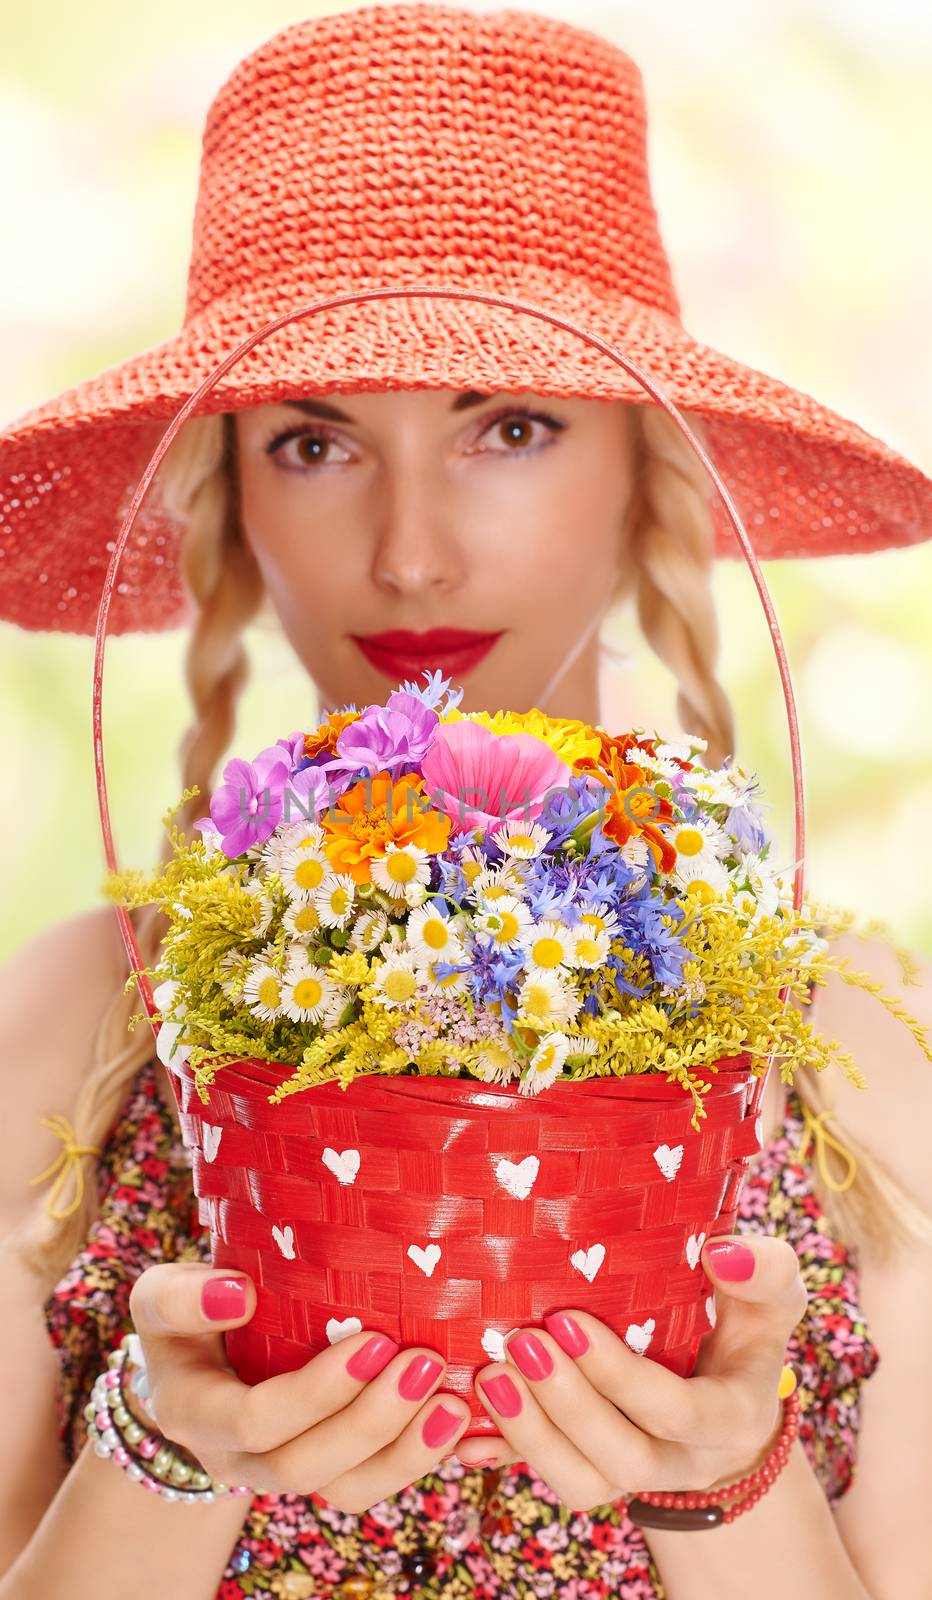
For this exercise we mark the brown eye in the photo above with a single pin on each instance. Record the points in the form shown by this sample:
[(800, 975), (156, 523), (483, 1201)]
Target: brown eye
[(311, 448), (516, 430)]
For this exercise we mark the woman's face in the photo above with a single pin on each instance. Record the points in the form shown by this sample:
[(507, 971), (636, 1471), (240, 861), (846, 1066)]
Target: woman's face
[(413, 511)]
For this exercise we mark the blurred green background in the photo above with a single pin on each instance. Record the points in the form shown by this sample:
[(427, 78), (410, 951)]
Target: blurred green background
[(786, 148)]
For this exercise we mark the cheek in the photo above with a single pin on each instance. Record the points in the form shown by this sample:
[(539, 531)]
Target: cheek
[(563, 576)]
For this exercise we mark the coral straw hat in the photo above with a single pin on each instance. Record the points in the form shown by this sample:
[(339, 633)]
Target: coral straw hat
[(422, 144)]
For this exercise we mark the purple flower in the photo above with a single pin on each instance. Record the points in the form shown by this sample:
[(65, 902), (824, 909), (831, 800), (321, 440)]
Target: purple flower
[(248, 804), (392, 738)]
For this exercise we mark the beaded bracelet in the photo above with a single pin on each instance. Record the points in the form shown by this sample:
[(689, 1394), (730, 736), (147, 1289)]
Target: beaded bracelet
[(703, 1508), (145, 1456)]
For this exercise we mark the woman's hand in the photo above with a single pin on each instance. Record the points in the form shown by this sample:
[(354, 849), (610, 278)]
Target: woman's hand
[(607, 1422), (355, 1439)]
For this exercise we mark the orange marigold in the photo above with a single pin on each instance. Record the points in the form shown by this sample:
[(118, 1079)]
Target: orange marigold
[(375, 813)]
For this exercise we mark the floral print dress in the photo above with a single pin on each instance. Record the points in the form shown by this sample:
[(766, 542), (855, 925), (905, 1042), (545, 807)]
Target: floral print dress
[(437, 1538)]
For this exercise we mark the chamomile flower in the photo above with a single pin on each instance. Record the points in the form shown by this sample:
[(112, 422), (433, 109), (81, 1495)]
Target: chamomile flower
[(303, 871), (369, 930), (401, 867), (337, 1003), (546, 995), (302, 920), (431, 934), (263, 991), (301, 835), (472, 861), (396, 979), (441, 983), (233, 965), (636, 854), (496, 1062), (699, 841), (763, 884), (596, 917), (503, 923), (687, 747), (590, 948), (306, 991), (492, 883), (333, 901), (265, 908), (545, 1064), (521, 839), (705, 881), (547, 947)]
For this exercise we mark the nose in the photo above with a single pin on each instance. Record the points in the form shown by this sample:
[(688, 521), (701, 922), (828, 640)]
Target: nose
[(415, 549)]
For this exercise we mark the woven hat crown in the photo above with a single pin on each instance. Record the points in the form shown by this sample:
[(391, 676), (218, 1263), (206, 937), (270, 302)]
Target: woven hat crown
[(419, 142)]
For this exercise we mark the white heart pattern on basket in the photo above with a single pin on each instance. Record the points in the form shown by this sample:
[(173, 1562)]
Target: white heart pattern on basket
[(493, 1343), (344, 1166), (639, 1334), (210, 1140), (710, 1310), (284, 1238), (668, 1159), (336, 1330), (693, 1248), (425, 1259), (518, 1177), (588, 1261)]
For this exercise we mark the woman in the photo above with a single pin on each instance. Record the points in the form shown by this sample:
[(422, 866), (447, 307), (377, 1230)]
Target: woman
[(415, 465)]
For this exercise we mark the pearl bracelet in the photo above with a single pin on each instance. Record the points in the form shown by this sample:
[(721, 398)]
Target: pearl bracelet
[(145, 1456)]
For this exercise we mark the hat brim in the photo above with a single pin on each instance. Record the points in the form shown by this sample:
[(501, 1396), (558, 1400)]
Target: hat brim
[(806, 481)]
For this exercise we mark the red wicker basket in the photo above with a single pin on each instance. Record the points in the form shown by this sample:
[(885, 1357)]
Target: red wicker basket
[(447, 1211)]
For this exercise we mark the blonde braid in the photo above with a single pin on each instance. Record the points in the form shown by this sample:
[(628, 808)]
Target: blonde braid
[(670, 540), (669, 543), (198, 483)]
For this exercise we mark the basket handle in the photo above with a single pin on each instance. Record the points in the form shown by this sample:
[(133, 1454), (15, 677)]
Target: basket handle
[(648, 383)]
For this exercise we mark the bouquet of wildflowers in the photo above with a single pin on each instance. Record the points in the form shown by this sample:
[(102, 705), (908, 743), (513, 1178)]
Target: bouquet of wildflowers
[(518, 898)]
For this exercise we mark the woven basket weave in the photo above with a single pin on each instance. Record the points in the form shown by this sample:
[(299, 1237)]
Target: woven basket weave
[(446, 1211)]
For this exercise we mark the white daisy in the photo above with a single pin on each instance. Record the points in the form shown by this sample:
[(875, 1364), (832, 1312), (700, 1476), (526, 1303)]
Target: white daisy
[(590, 948), (402, 866), (291, 836), (699, 840), (265, 911), (302, 920), (234, 965), (545, 1064), (521, 839), (706, 881), (636, 854), (306, 991), (432, 934), (369, 930), (263, 991), (546, 995), (333, 901), (503, 923), (496, 1061), (493, 882), (764, 886), (396, 979), (597, 917), (303, 871), (434, 983), (336, 1005), (547, 947)]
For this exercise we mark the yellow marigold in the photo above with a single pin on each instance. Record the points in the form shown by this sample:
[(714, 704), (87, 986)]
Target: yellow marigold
[(357, 833), (566, 736)]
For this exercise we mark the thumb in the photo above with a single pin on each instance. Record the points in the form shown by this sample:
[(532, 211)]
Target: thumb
[(759, 1299), (184, 1299)]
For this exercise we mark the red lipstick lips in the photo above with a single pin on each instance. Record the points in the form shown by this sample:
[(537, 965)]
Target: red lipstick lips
[(399, 653)]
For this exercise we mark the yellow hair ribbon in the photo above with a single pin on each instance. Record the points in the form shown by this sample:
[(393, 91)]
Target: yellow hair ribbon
[(68, 1160), (821, 1137)]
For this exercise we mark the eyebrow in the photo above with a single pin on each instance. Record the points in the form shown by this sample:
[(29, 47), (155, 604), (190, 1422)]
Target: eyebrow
[(319, 408)]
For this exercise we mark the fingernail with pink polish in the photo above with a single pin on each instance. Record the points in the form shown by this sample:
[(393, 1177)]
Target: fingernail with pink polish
[(223, 1298), (440, 1426), (417, 1378), (733, 1262), (367, 1362), (529, 1355), (502, 1394), (567, 1332)]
